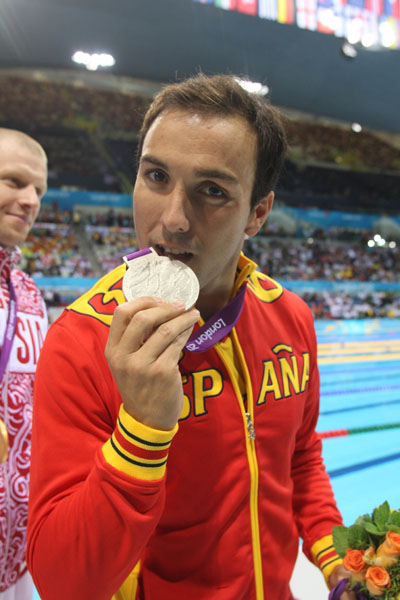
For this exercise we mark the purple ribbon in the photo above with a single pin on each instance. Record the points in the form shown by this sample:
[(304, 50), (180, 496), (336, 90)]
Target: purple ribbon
[(10, 330), (216, 328), (339, 589), (138, 253)]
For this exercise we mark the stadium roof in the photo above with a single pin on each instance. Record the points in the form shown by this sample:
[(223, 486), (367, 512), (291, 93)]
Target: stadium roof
[(161, 40)]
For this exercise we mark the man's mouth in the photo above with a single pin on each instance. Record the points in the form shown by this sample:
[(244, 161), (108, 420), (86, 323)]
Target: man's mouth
[(22, 218), (173, 253)]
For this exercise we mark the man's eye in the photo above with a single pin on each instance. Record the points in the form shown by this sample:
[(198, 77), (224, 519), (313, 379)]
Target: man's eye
[(12, 181), (213, 190), (157, 176)]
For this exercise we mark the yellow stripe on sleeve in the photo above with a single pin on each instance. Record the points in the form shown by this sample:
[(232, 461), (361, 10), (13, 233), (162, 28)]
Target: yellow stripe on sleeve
[(138, 450), (325, 556)]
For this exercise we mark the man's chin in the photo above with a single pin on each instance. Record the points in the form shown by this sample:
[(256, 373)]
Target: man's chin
[(9, 241)]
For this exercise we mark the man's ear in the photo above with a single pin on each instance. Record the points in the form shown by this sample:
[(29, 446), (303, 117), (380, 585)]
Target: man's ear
[(259, 214)]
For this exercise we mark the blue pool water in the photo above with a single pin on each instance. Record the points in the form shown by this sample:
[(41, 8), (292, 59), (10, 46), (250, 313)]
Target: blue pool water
[(360, 387)]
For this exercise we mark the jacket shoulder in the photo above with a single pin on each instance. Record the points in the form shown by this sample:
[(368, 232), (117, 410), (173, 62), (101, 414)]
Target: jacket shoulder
[(103, 298), (264, 288), (282, 303)]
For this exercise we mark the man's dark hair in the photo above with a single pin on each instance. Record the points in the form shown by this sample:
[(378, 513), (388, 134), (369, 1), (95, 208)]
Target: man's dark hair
[(223, 95)]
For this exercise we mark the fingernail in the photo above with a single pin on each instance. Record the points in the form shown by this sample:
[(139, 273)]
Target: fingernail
[(159, 300), (195, 313)]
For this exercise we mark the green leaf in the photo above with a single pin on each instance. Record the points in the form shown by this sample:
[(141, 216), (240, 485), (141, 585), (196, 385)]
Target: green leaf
[(357, 537), (340, 539), (381, 515), (371, 528), (395, 517), (363, 519), (394, 528)]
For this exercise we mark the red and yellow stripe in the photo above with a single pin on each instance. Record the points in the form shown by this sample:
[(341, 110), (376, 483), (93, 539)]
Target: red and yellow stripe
[(138, 450), (325, 555)]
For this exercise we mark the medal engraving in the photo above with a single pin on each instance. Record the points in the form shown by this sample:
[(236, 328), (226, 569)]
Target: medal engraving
[(153, 275)]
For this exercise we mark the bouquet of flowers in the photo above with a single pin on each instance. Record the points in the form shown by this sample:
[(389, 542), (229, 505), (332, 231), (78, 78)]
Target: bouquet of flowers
[(370, 549)]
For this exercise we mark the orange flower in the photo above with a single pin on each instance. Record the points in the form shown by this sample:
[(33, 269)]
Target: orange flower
[(389, 551), (353, 561), (392, 543), (377, 580)]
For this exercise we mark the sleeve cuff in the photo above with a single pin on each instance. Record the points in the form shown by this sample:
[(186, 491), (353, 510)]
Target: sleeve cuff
[(325, 556), (138, 450)]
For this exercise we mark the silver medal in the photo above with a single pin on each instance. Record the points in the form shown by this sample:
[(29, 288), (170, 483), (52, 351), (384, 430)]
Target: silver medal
[(154, 275)]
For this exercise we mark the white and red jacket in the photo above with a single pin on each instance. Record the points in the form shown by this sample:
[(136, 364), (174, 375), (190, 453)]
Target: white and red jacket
[(16, 394)]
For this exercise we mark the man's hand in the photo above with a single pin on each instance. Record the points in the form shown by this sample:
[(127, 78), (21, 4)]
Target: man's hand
[(337, 574), (143, 348)]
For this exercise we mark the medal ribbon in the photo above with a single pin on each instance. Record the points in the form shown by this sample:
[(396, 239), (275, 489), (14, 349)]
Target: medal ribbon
[(218, 326), (215, 328), (10, 330)]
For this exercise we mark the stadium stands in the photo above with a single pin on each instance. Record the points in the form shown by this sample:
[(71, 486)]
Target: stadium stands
[(90, 136)]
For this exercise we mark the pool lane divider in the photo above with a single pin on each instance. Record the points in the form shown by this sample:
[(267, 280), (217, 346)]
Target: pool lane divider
[(334, 360), (359, 407), (357, 430), (364, 465)]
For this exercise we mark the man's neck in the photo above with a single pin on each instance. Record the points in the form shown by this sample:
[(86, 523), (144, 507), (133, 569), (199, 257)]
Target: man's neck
[(210, 304)]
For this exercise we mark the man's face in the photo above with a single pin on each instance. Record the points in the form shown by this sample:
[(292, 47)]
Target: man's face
[(192, 194), (23, 181)]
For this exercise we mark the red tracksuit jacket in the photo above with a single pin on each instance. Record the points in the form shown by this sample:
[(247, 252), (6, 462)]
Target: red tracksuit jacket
[(212, 509)]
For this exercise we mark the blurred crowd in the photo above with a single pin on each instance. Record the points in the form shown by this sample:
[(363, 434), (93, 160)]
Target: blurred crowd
[(54, 252), (326, 260), (90, 136), (354, 305), (62, 245), (110, 244), (341, 145), (337, 189), (55, 104)]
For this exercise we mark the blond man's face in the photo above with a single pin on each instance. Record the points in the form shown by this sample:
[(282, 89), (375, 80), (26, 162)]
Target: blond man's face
[(23, 182)]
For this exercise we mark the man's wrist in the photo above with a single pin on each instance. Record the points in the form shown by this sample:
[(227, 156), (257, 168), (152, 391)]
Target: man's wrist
[(138, 450), (325, 556)]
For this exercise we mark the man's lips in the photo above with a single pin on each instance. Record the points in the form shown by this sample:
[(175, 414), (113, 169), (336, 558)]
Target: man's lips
[(172, 252), (23, 218)]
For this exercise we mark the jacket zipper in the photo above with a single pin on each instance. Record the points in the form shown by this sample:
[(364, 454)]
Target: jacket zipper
[(250, 427), (248, 421)]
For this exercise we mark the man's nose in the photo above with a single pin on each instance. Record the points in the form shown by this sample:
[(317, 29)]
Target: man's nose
[(175, 216), (28, 196)]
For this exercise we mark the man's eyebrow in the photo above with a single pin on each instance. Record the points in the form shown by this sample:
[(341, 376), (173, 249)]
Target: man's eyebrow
[(216, 174), (152, 159), (209, 173)]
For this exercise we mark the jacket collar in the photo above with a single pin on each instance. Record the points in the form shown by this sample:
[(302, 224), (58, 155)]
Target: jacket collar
[(9, 257), (244, 270)]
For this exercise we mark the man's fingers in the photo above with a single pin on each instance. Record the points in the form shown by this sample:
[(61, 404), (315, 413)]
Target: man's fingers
[(173, 351), (348, 595), (170, 337), (136, 322), (123, 316)]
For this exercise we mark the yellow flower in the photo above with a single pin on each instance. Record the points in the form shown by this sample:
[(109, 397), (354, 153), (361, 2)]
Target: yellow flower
[(389, 551), (369, 556)]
